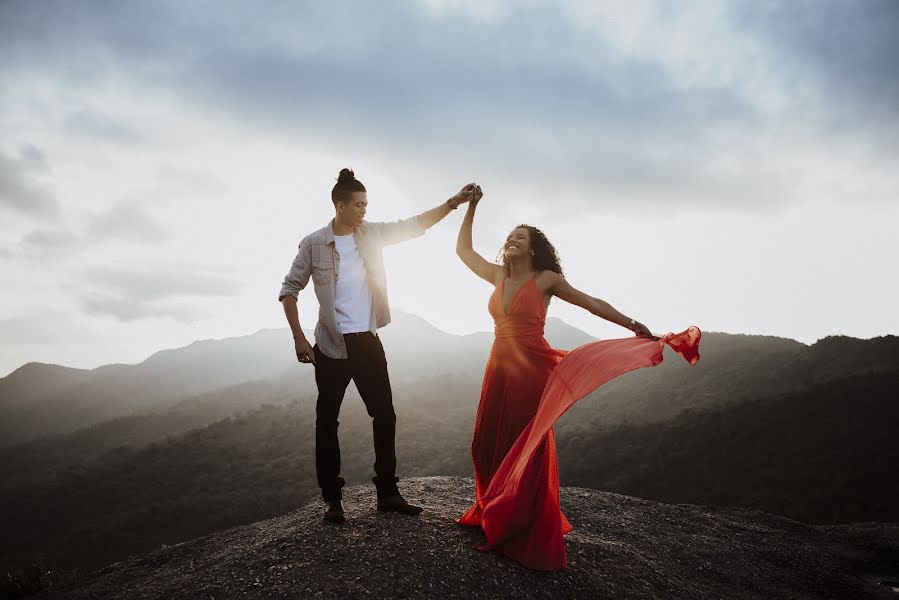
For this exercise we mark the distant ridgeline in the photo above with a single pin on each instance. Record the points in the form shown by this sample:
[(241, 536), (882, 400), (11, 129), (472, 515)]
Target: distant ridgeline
[(221, 433)]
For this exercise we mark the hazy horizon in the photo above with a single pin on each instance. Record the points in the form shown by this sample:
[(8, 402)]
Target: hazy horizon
[(399, 314), (729, 165)]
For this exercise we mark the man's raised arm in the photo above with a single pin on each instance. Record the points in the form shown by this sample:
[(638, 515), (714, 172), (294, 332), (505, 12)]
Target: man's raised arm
[(429, 218), (400, 231)]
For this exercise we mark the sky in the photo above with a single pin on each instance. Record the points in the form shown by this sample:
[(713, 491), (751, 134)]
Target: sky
[(731, 165)]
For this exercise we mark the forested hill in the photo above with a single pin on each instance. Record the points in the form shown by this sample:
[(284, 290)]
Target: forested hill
[(761, 422)]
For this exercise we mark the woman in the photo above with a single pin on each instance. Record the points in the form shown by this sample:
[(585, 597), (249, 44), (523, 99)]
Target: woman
[(513, 448)]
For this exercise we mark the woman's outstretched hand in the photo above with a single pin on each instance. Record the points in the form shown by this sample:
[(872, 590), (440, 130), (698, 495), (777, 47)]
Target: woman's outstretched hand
[(642, 330)]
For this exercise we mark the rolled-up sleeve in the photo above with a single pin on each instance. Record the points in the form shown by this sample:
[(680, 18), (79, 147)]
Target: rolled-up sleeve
[(399, 231), (300, 271)]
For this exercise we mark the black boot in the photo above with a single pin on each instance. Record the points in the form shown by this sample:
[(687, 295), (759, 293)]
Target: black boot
[(332, 495), (390, 499), (334, 512)]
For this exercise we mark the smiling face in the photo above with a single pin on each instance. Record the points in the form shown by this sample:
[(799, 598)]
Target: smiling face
[(518, 244), (352, 212)]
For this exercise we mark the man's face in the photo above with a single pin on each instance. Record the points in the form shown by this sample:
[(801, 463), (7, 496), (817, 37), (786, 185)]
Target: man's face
[(353, 212)]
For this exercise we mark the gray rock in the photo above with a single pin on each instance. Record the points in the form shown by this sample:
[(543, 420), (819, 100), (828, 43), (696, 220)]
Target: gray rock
[(621, 547)]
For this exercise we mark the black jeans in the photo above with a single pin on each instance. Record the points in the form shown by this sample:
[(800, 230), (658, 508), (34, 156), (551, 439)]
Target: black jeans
[(366, 365)]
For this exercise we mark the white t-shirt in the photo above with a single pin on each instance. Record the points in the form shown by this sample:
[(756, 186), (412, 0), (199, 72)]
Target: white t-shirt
[(353, 302)]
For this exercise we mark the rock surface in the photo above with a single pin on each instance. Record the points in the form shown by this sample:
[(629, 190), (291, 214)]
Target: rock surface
[(621, 547)]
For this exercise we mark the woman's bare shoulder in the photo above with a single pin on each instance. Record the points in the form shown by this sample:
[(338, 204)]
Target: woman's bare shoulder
[(547, 280)]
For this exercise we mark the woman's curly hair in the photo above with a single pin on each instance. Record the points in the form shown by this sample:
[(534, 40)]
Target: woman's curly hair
[(545, 257)]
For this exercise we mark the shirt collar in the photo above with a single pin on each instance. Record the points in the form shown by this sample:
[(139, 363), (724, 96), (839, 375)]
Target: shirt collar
[(328, 232)]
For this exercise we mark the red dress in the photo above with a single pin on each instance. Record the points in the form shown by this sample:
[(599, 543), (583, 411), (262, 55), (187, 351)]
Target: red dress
[(527, 386)]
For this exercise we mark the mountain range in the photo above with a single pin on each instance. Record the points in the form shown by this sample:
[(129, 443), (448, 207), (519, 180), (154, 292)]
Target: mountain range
[(39, 400), (106, 462)]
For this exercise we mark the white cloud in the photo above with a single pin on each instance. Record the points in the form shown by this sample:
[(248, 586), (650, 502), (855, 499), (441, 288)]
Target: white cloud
[(23, 186), (96, 125), (191, 153), (45, 244), (127, 221), (131, 293), (127, 309)]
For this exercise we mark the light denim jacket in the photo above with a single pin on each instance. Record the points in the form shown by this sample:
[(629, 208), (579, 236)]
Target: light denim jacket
[(318, 258)]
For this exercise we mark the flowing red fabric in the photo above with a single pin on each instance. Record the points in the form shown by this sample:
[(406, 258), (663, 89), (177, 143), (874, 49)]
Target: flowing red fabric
[(527, 386)]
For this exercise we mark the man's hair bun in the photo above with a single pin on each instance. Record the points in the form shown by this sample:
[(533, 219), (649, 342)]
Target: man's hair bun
[(346, 176), (345, 186)]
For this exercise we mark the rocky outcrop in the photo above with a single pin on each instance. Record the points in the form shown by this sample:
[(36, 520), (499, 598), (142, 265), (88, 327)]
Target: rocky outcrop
[(621, 547)]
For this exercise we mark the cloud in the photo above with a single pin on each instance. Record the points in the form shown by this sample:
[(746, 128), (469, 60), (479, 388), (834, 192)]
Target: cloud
[(127, 221), (50, 244), (179, 179), (584, 106), (847, 48), (128, 310), (33, 159), (172, 291), (44, 327), (21, 186), (93, 124), (545, 111), (162, 281)]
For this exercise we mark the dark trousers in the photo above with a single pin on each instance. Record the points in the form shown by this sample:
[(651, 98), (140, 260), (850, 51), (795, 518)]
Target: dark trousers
[(366, 365)]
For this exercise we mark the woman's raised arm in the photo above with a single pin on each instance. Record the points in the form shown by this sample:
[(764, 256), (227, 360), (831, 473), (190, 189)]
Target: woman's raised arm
[(479, 265)]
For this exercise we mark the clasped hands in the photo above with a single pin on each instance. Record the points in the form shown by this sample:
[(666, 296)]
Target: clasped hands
[(470, 193)]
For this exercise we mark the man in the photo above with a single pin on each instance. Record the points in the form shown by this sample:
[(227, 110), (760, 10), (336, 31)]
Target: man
[(346, 262)]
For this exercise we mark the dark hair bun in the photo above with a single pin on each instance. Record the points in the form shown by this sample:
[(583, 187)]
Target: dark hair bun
[(345, 186)]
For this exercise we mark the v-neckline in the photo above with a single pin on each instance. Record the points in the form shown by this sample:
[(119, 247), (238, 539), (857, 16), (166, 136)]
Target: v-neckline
[(502, 294)]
